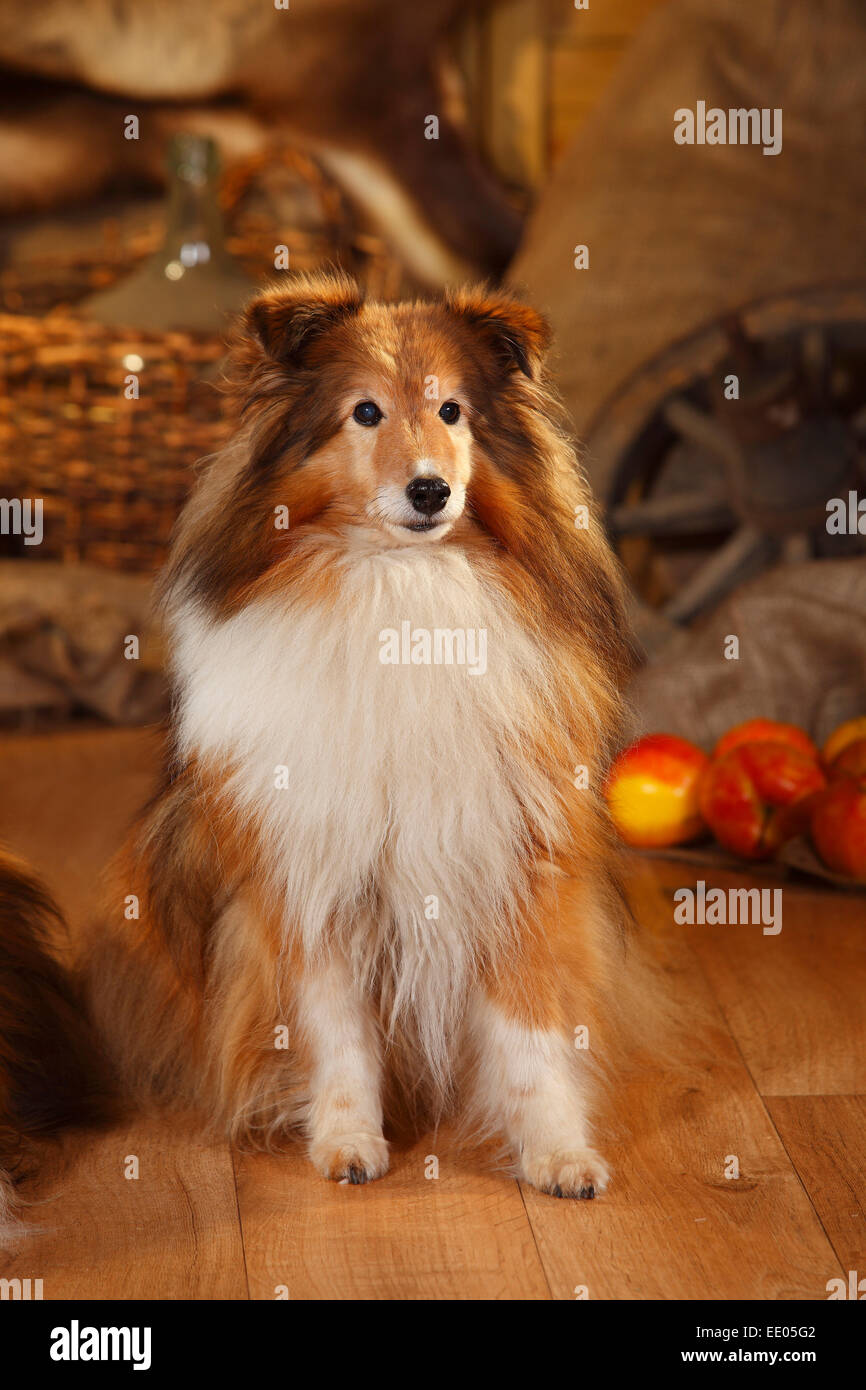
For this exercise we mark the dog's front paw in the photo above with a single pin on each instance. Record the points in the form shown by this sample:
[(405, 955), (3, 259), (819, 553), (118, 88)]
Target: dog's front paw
[(578, 1173), (352, 1158)]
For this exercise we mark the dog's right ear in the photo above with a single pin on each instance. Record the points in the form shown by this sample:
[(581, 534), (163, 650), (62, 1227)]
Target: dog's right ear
[(285, 320), (517, 335)]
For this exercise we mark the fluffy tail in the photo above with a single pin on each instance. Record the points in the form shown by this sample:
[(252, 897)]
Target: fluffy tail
[(52, 1074)]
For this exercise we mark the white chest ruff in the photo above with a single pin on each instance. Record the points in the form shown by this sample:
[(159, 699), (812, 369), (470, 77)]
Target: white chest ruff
[(395, 799)]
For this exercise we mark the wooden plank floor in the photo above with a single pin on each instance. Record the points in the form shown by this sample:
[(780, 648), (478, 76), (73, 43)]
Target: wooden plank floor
[(784, 1091)]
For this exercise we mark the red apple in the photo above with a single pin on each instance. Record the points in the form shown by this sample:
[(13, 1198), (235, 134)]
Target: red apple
[(765, 731), (846, 733), (851, 762), (652, 791), (838, 823), (751, 797)]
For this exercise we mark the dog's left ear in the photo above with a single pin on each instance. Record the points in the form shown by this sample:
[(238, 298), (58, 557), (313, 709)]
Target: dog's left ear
[(516, 333), (285, 320)]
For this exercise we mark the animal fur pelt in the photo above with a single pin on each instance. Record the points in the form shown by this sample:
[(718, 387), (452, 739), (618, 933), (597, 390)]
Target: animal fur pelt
[(355, 80), (52, 1075)]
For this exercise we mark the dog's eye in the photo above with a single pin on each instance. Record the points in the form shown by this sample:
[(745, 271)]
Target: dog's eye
[(367, 413), (449, 412)]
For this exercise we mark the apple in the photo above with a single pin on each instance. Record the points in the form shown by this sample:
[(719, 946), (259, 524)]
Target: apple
[(754, 797), (851, 762), (838, 824), (765, 731), (652, 791), (849, 732)]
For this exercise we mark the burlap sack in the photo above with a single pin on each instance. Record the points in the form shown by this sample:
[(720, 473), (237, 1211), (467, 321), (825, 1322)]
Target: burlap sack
[(62, 638), (677, 234), (802, 657)]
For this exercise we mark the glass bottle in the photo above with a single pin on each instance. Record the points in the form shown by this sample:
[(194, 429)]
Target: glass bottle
[(191, 282)]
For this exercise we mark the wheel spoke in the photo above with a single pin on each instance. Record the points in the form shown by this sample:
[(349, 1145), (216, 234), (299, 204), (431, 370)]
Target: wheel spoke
[(701, 428), (815, 358), (685, 514), (735, 561)]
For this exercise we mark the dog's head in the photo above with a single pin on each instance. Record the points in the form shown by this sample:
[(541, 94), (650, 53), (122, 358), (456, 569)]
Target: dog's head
[(383, 405)]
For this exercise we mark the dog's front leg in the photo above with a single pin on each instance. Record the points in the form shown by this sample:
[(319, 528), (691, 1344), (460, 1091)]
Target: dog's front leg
[(529, 1087), (344, 1059), (529, 1083)]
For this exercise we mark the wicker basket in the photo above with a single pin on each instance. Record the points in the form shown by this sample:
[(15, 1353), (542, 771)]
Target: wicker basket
[(111, 472)]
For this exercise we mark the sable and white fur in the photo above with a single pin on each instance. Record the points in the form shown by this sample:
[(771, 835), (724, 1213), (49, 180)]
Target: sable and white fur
[(52, 1075), (368, 888)]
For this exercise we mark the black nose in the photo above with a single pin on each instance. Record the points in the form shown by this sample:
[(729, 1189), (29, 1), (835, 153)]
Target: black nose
[(428, 495)]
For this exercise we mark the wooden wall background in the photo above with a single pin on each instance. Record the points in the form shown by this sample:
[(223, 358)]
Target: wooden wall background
[(534, 71)]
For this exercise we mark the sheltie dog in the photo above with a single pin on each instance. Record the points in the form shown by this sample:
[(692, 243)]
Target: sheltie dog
[(51, 1072), (379, 878)]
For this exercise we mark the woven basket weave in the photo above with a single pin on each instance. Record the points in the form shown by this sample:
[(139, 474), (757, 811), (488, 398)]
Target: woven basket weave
[(112, 473)]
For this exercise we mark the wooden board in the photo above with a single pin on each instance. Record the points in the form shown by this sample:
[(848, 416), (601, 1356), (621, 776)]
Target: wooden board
[(825, 1137), (171, 1233), (534, 70), (601, 21), (793, 1002), (463, 1235)]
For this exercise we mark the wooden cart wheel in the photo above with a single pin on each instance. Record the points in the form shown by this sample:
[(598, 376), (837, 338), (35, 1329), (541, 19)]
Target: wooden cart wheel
[(718, 458)]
